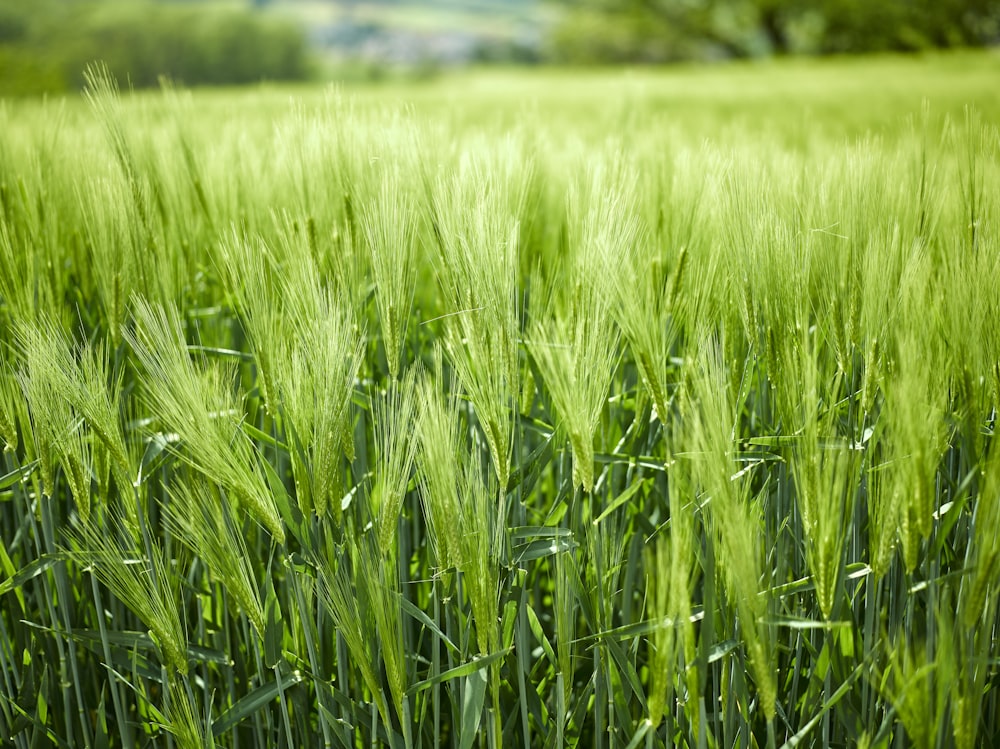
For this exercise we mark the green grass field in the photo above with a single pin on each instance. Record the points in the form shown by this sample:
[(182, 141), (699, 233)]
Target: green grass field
[(600, 409)]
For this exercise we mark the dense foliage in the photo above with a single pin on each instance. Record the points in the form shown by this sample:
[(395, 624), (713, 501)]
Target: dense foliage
[(45, 45), (664, 30), (654, 410)]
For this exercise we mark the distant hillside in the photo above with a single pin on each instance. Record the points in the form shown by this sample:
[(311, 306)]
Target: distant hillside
[(419, 31)]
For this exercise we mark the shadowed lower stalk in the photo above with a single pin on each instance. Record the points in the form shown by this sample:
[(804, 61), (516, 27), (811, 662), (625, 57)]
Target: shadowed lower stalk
[(356, 626), (116, 697)]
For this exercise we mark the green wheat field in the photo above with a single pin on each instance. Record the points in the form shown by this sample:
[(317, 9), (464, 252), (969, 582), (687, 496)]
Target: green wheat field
[(598, 409)]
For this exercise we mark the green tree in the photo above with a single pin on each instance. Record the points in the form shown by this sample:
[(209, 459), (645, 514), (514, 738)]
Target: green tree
[(45, 46), (662, 30)]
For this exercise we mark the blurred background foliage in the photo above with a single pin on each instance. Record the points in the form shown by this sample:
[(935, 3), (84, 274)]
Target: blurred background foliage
[(45, 44), (670, 30)]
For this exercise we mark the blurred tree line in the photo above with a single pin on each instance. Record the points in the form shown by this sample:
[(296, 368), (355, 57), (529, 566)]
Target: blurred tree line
[(665, 30), (45, 44)]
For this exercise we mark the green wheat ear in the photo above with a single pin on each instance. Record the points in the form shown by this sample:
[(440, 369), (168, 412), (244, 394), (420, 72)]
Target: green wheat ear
[(642, 294), (199, 406), (141, 580), (576, 354), (824, 469), (82, 377), (438, 428), (248, 268), (184, 721), (475, 218), (388, 226), (909, 682), (50, 387), (11, 408), (201, 519), (573, 339), (309, 354), (478, 553), (395, 414)]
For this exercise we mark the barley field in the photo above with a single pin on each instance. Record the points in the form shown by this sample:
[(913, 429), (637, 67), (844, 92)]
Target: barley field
[(604, 409)]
